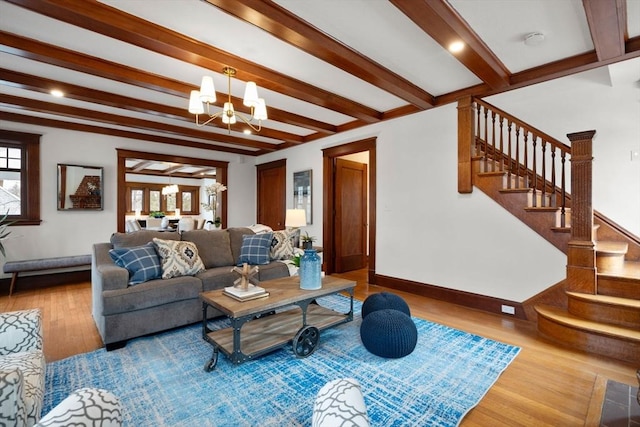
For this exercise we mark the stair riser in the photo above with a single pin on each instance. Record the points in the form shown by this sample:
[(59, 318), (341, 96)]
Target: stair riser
[(616, 287), (610, 263), (628, 351), (628, 317)]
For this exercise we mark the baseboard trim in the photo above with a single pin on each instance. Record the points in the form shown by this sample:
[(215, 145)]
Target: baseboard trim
[(466, 299), (34, 281)]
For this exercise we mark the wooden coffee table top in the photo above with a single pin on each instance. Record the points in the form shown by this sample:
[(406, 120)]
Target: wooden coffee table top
[(282, 292)]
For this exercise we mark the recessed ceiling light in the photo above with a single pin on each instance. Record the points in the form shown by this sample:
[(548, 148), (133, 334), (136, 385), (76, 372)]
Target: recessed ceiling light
[(533, 39), (456, 47), (247, 132), (57, 93)]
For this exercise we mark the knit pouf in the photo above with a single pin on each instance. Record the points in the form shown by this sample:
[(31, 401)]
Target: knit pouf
[(384, 300), (389, 333)]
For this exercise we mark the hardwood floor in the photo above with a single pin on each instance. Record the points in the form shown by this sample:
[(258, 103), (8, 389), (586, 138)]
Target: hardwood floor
[(546, 385)]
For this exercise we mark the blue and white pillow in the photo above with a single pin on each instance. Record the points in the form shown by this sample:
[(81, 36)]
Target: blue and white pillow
[(255, 249), (142, 262)]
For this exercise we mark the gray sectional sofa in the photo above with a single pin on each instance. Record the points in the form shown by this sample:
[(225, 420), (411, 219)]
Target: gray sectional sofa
[(123, 311)]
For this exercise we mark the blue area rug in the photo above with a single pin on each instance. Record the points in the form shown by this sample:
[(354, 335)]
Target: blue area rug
[(161, 380)]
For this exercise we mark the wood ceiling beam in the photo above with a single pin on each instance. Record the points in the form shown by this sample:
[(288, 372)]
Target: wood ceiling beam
[(113, 23), (54, 55), (280, 23), (43, 85), (135, 123), (608, 26), (80, 127), (443, 24)]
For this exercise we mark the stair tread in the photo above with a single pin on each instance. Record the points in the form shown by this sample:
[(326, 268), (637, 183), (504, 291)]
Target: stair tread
[(629, 270), (541, 208), (626, 302), (564, 318), (611, 247), (515, 190)]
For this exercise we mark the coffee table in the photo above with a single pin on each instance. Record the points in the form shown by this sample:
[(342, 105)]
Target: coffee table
[(259, 326)]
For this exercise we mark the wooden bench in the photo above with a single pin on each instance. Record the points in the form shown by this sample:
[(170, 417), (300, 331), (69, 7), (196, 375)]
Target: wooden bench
[(16, 267)]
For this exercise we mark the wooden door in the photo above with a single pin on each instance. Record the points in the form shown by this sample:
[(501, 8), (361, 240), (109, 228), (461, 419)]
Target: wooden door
[(272, 188), (351, 215)]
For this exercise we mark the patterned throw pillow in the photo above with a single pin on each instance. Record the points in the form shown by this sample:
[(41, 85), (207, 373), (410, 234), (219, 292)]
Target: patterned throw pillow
[(255, 249), (178, 258), (282, 244), (142, 262)]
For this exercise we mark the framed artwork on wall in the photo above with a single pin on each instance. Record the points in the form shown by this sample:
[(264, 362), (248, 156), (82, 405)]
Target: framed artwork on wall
[(302, 197), (80, 188)]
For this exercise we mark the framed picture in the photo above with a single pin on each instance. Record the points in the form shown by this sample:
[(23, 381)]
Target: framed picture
[(80, 188), (302, 198)]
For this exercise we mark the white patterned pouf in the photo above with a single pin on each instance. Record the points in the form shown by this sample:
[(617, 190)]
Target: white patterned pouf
[(340, 403)]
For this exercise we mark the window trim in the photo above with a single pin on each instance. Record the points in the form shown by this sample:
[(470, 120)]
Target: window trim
[(29, 143)]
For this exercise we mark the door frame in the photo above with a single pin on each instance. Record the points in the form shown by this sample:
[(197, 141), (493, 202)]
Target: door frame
[(328, 195)]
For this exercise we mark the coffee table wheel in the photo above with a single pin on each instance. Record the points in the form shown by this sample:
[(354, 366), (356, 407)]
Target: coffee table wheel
[(211, 363), (306, 341)]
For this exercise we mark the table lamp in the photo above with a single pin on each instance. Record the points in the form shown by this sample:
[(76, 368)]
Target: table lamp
[(295, 218)]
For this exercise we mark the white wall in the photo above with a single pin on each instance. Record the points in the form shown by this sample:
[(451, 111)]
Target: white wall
[(64, 233)]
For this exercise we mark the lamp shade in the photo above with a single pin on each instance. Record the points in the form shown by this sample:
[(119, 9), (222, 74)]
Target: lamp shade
[(207, 90), (260, 112), (295, 218), (195, 104), (250, 95)]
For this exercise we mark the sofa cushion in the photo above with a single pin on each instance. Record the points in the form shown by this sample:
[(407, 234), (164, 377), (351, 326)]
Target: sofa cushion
[(217, 278), (255, 249), (273, 270), (142, 262), (236, 235), (178, 258), (282, 244), (139, 238), (214, 247), (150, 294)]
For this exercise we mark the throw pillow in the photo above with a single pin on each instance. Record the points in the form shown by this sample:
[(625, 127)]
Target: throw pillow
[(142, 262), (178, 258), (282, 244), (255, 249)]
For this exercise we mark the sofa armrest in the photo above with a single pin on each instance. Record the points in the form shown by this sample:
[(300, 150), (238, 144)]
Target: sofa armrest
[(105, 274), (20, 331), (85, 407), (13, 411)]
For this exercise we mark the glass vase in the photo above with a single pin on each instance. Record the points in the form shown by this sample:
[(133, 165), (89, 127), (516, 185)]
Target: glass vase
[(310, 270)]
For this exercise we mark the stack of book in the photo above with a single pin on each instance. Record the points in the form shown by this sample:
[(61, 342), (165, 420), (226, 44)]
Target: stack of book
[(253, 292)]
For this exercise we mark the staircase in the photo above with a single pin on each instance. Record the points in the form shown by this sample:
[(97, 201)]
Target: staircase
[(597, 307)]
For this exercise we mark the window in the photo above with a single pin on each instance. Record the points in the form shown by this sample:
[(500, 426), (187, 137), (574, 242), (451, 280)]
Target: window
[(148, 198), (20, 176)]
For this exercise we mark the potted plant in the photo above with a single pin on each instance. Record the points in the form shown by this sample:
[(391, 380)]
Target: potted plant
[(307, 241), (217, 222), (4, 232), (156, 214)]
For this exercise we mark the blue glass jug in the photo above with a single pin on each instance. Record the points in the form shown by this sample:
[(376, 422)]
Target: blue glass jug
[(310, 270)]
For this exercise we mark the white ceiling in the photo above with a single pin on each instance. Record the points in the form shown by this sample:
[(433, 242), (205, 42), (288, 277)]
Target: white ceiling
[(376, 29)]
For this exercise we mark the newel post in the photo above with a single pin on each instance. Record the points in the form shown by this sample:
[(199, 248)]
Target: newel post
[(581, 253), (466, 133)]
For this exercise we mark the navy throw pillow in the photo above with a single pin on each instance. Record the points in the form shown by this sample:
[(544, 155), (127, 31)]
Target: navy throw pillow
[(142, 262), (255, 249)]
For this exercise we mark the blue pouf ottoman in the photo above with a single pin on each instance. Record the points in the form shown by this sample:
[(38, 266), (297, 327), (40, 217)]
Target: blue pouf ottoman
[(384, 300), (389, 333)]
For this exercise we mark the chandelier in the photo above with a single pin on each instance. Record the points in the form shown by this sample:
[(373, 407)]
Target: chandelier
[(207, 95), (170, 189)]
